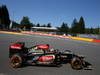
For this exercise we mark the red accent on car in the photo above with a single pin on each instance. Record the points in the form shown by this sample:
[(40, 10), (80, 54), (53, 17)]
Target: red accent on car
[(45, 59), (16, 46), (44, 47)]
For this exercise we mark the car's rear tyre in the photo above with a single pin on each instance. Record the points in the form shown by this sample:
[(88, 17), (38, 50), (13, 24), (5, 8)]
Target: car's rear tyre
[(76, 63), (16, 61), (57, 60)]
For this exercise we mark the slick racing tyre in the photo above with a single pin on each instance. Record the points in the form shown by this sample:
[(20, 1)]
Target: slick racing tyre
[(76, 63), (16, 61)]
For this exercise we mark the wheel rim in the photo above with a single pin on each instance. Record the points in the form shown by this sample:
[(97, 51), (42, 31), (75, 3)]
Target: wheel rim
[(15, 62), (76, 64)]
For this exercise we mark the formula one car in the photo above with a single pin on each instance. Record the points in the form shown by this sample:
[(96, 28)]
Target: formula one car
[(42, 55)]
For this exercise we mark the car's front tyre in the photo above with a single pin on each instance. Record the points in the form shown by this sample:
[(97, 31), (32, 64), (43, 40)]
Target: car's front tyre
[(76, 63)]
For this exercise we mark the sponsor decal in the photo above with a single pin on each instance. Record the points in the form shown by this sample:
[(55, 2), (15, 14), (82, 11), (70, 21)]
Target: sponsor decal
[(64, 56), (46, 58)]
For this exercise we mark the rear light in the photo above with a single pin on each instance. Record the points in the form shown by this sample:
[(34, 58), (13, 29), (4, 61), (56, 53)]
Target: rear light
[(15, 47)]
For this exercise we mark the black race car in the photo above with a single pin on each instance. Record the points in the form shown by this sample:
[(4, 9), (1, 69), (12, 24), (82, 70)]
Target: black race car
[(42, 55)]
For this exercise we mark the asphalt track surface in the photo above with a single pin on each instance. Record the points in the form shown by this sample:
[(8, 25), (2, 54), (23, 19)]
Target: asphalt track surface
[(89, 49)]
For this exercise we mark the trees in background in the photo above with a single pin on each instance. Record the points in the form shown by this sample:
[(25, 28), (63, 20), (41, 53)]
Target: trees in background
[(25, 23), (4, 17), (64, 28), (44, 25), (81, 25), (15, 24), (38, 25), (78, 27), (74, 27), (92, 30), (49, 25)]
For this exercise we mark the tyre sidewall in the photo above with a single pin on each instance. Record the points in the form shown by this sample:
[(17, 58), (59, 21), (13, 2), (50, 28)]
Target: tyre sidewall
[(73, 61), (19, 64)]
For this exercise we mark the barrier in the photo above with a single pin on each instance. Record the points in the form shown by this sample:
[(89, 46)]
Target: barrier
[(84, 39), (52, 35), (61, 36), (97, 41)]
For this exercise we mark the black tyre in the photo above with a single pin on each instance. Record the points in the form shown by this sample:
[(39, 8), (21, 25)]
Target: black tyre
[(57, 59), (76, 63), (16, 61)]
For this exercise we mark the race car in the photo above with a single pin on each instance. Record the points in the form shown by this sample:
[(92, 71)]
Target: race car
[(43, 55)]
